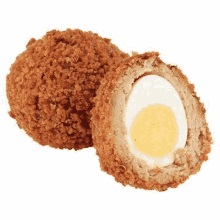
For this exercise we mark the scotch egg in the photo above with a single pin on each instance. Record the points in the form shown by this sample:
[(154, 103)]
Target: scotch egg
[(51, 85), (148, 125)]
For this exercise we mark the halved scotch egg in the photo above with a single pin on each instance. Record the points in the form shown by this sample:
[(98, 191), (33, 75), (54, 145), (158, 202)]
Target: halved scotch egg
[(149, 127)]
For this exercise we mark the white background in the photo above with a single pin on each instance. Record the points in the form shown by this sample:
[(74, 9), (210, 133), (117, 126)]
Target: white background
[(43, 183)]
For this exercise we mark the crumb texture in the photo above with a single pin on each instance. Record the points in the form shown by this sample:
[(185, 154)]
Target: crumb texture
[(109, 129), (51, 86)]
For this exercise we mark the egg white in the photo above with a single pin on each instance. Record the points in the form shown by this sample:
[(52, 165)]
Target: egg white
[(154, 90)]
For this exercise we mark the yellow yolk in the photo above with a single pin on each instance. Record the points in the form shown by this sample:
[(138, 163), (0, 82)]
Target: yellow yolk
[(154, 131)]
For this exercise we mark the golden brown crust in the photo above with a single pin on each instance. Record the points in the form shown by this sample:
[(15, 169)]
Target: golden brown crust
[(118, 162), (51, 86)]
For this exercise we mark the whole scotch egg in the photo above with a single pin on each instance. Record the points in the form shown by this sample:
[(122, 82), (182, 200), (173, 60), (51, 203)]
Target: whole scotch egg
[(148, 125), (51, 85)]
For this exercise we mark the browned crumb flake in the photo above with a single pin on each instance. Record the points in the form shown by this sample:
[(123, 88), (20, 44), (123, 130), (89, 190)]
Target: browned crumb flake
[(52, 84), (109, 158)]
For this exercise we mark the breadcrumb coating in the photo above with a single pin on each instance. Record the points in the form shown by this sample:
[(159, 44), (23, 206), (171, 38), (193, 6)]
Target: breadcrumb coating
[(109, 131), (51, 86)]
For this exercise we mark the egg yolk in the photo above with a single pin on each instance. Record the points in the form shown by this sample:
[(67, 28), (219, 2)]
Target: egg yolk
[(154, 131)]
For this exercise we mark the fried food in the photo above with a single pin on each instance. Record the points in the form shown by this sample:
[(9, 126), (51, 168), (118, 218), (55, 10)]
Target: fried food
[(110, 131), (51, 86)]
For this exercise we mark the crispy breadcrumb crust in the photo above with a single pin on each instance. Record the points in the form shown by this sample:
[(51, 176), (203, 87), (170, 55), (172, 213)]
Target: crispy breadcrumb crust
[(108, 134), (51, 85)]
